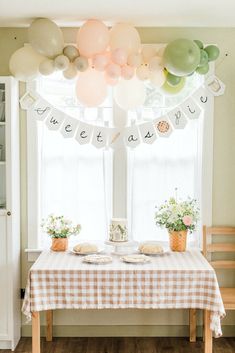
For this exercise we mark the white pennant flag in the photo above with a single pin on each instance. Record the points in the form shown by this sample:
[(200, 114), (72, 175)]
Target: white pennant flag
[(163, 126), (191, 109), (41, 109), (69, 127), (148, 132), (55, 119), (215, 86), (28, 100), (100, 136), (177, 118), (115, 137), (131, 136), (203, 97), (84, 133)]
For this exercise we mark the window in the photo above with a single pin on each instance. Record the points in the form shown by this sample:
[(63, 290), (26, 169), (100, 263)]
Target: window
[(66, 178)]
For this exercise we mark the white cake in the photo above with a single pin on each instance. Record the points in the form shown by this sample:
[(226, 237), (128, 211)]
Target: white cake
[(118, 230)]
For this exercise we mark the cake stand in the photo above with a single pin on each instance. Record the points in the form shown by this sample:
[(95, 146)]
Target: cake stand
[(118, 245)]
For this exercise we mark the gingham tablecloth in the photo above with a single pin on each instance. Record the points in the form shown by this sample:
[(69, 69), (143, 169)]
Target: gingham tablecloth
[(173, 280)]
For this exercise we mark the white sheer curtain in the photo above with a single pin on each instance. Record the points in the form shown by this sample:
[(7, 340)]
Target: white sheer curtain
[(156, 171), (75, 180)]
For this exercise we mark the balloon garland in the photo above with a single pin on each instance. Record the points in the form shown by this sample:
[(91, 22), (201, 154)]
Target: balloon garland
[(113, 57)]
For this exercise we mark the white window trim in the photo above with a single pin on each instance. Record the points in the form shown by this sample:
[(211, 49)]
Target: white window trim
[(120, 180)]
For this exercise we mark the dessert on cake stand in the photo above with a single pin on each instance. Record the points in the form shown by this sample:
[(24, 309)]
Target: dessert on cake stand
[(118, 237)]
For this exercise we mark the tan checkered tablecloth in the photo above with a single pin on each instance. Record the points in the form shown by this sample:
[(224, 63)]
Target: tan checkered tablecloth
[(173, 280)]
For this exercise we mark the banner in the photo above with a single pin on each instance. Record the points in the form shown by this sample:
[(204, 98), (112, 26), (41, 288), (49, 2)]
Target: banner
[(130, 136)]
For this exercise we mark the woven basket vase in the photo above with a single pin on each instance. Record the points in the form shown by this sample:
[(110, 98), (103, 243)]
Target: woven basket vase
[(59, 244), (178, 240)]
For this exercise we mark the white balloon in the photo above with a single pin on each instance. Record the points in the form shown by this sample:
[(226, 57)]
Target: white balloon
[(157, 78), (24, 63), (70, 72), (71, 52), (130, 94), (61, 62), (46, 37), (47, 67)]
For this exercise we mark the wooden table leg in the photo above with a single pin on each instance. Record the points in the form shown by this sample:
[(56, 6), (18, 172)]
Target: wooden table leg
[(49, 320), (192, 325), (35, 332), (207, 332)]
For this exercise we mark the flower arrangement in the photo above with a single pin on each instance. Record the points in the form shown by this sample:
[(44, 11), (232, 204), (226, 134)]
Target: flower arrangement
[(59, 227), (178, 215)]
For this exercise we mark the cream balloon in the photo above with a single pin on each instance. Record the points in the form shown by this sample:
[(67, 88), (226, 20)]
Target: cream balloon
[(161, 51), (143, 72), (91, 88), (155, 63), (71, 52), (61, 62), (125, 36), (130, 94), (47, 67), (92, 38), (81, 63), (46, 37), (24, 63), (157, 78), (134, 60), (71, 72), (148, 52)]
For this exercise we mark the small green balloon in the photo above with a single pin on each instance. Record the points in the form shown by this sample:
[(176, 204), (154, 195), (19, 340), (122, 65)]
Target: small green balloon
[(172, 79), (203, 69), (199, 43), (204, 58), (181, 57), (171, 90), (213, 52)]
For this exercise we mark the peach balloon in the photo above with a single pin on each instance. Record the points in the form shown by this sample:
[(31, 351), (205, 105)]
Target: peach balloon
[(148, 52), (134, 60), (100, 61), (92, 38), (126, 37), (113, 70), (91, 88), (119, 56), (127, 72), (111, 81), (143, 72)]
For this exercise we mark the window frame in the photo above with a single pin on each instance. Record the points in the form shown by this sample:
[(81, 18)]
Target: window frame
[(120, 175)]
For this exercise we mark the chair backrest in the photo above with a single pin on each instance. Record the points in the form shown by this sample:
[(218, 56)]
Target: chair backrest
[(219, 247)]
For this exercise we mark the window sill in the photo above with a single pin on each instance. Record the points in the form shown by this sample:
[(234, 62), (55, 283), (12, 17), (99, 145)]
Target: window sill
[(32, 254)]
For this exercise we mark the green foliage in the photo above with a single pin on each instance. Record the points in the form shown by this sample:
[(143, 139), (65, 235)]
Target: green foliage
[(178, 215), (59, 227)]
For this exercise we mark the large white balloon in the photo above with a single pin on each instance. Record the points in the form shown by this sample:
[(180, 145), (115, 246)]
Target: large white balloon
[(130, 94), (46, 37), (24, 63)]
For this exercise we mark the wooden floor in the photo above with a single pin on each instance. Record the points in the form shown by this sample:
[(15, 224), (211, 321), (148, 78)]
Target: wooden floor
[(125, 345)]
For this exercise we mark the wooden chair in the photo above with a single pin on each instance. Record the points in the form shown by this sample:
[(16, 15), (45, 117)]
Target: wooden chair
[(228, 294)]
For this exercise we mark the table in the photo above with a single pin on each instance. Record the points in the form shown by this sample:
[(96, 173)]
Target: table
[(173, 280)]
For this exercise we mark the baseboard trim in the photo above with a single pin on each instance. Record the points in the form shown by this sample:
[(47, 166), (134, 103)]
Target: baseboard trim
[(123, 331)]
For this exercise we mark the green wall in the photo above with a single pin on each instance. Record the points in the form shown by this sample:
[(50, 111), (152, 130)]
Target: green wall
[(223, 172)]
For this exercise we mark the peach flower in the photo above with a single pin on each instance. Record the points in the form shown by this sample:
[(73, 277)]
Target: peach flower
[(187, 220)]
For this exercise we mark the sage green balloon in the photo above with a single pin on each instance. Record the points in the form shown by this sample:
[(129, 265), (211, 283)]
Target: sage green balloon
[(199, 43), (204, 58), (213, 52), (181, 57), (172, 90), (172, 79), (203, 69)]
